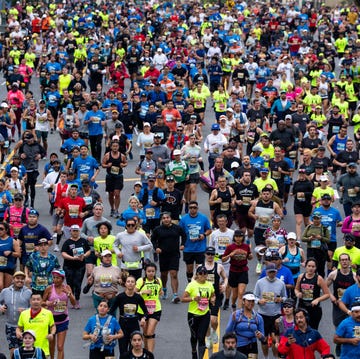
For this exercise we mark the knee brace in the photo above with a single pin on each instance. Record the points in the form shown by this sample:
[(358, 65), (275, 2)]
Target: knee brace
[(149, 336)]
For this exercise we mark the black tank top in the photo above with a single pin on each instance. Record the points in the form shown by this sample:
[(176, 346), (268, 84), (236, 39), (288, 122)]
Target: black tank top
[(214, 278), (309, 289), (115, 169), (341, 282), (225, 205)]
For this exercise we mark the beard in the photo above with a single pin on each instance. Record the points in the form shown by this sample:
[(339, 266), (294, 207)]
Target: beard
[(231, 352)]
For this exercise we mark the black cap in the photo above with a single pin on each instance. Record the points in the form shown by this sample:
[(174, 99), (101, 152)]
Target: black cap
[(239, 232), (349, 237), (201, 269), (326, 196), (210, 250), (289, 301)]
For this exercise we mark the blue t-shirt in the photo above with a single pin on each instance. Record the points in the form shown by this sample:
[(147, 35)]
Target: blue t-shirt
[(85, 167), (95, 125), (284, 274), (351, 295), (70, 143), (329, 218), (193, 227), (114, 327), (3, 206), (150, 211), (347, 329)]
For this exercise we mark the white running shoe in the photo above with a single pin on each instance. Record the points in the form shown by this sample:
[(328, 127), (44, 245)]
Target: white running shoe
[(56, 248), (208, 342), (258, 268)]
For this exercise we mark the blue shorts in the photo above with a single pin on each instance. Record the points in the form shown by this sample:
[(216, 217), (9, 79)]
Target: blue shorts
[(62, 327), (11, 338)]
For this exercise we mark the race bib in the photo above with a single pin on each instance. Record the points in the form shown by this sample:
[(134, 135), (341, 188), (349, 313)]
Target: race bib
[(340, 292), (129, 309), (315, 243), (114, 170), (29, 248), (150, 212), (276, 175), (300, 197), (351, 192), (105, 281), (150, 305), (203, 304), (88, 200), (224, 206), (269, 297), (307, 294), (60, 306), (77, 252), (223, 242), (246, 200), (73, 211), (84, 176), (3, 261), (42, 281)]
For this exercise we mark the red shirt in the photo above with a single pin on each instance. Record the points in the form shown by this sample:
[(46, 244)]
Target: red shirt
[(238, 262), (73, 208), (171, 117)]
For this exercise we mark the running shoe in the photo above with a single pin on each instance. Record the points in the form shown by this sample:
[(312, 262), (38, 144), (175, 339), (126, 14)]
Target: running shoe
[(164, 296), (214, 337), (86, 288), (77, 305), (208, 342), (56, 248), (175, 299), (258, 268)]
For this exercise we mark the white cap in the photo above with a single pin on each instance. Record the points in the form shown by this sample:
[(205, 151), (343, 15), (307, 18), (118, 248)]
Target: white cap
[(75, 227), (324, 178), (291, 235), (249, 296), (4, 104), (14, 169), (234, 164), (159, 49), (146, 124), (176, 152), (105, 252), (31, 332)]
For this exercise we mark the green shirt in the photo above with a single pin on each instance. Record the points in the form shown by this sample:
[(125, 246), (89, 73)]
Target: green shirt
[(205, 291)]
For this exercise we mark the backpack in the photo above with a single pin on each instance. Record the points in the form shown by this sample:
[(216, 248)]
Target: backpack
[(145, 199), (38, 353)]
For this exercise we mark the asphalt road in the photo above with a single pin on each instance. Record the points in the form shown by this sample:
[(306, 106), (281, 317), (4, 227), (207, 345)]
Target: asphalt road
[(172, 336)]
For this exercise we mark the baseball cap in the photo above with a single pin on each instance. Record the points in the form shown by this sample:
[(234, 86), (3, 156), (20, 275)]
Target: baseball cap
[(249, 296), (149, 150), (326, 196), (210, 250), (349, 237), (43, 240), (352, 164), (59, 272), (157, 135), (257, 149), (201, 269), (234, 164), (137, 183), (146, 124), (70, 106), (18, 196), (291, 235), (288, 117), (14, 169), (289, 301), (19, 273), (4, 104), (229, 109), (31, 332), (324, 178), (215, 127), (105, 252), (33, 212), (170, 178), (316, 215), (264, 169), (75, 227), (271, 267), (151, 178), (176, 152)]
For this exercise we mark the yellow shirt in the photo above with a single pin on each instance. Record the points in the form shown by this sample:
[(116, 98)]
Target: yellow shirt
[(205, 291), (260, 184), (319, 192), (152, 300), (41, 325)]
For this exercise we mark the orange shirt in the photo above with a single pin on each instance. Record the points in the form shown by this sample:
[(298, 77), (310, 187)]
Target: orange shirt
[(170, 118)]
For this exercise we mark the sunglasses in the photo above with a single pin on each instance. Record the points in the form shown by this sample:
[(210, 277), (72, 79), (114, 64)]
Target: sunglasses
[(287, 306), (2, 229), (130, 225), (209, 254), (193, 207), (17, 200), (202, 273)]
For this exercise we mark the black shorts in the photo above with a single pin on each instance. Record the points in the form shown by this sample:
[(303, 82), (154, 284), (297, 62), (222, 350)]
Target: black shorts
[(8, 271), (193, 178), (245, 221), (113, 183), (305, 210), (191, 257), (259, 236), (214, 309), (236, 278), (169, 262), (155, 315), (269, 323), (199, 110), (92, 259)]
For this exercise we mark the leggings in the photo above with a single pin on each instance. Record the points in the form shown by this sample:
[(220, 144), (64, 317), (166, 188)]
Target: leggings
[(128, 326), (74, 278), (95, 143), (198, 325), (30, 186)]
